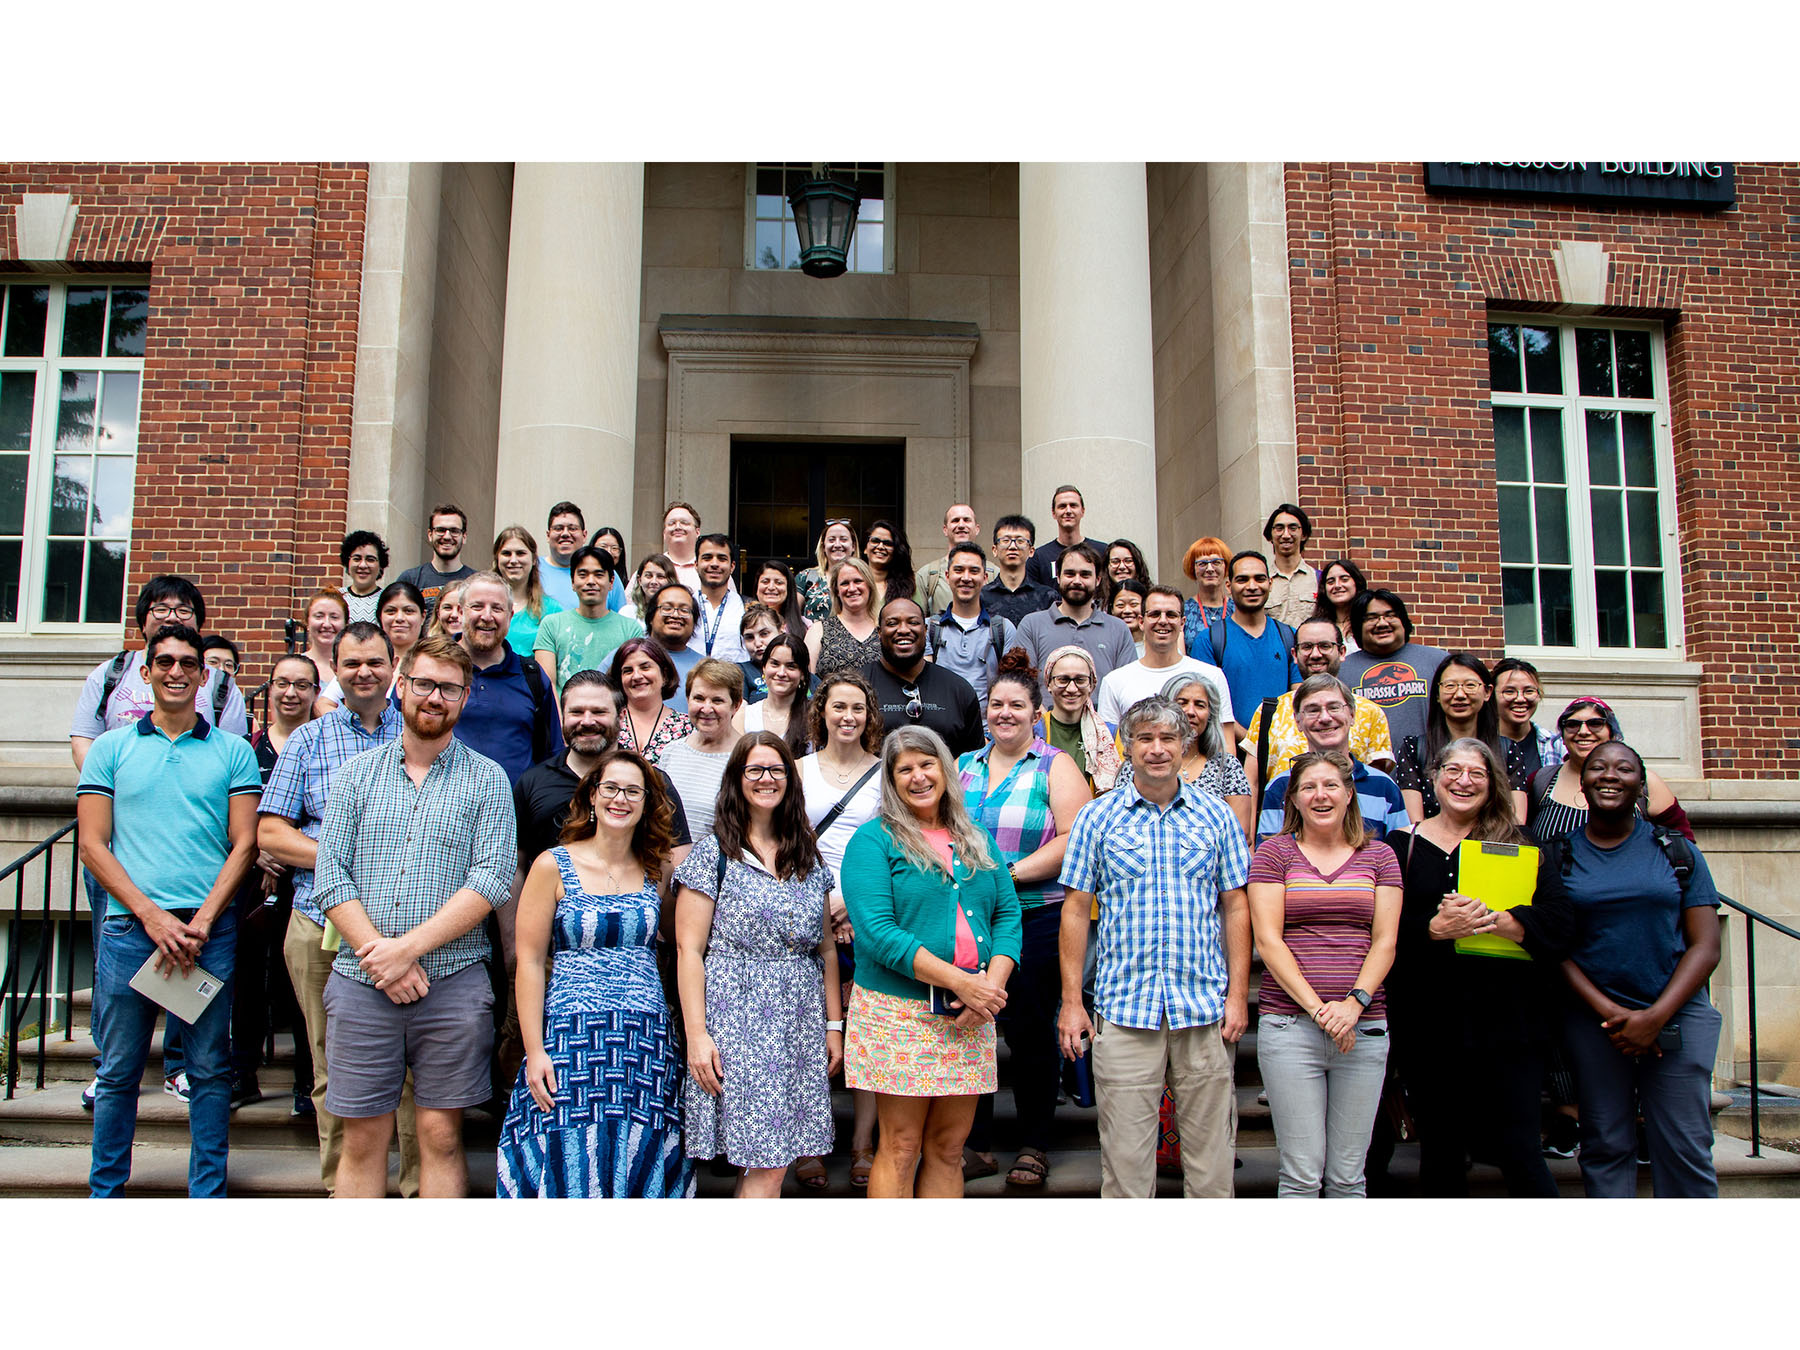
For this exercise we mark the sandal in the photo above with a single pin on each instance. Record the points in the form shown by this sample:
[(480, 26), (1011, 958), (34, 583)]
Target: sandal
[(1029, 1171), (862, 1162), (810, 1173), (974, 1165)]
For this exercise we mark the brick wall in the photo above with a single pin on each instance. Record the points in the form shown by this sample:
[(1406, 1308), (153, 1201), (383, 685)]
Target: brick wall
[(249, 366), (1390, 288)]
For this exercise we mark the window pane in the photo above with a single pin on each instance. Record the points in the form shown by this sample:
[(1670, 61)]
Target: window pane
[(119, 411), (768, 244), (1556, 601), (75, 418), (1610, 617), (1593, 361), (872, 209), (1609, 532), (1646, 529), (13, 470), (1543, 359), (1633, 348), (769, 207), (112, 496), (84, 321), (10, 552), (768, 183), (105, 583), (1546, 446), (17, 390), (1509, 446), (27, 307), (1520, 595), (1647, 609), (867, 245), (1503, 358), (1552, 526), (69, 495), (1515, 524), (1639, 435), (125, 330), (62, 581), (1603, 449)]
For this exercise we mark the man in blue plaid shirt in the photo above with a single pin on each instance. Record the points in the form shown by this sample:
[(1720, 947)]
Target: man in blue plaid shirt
[(1167, 863), (418, 845)]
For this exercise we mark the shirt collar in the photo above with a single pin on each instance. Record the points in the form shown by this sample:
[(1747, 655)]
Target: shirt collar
[(949, 616), (389, 716), (1183, 790), (147, 727)]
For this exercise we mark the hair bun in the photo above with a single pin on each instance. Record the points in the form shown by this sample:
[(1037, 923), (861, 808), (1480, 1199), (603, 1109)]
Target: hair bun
[(1017, 661)]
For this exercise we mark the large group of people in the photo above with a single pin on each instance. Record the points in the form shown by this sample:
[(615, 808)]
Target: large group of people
[(642, 859)]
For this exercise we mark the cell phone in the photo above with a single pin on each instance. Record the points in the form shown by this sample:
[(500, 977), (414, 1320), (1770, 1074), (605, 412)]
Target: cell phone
[(941, 998), (1669, 1038)]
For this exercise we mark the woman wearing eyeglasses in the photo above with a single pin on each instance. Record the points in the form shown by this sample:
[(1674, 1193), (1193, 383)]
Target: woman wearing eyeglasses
[(758, 975), (1070, 723), (577, 1125), (836, 542), (1205, 562)]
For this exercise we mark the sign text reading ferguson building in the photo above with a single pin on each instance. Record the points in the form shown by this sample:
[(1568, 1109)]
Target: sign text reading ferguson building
[(1703, 184)]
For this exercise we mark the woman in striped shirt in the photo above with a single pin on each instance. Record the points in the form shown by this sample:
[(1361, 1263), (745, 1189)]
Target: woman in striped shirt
[(1325, 905)]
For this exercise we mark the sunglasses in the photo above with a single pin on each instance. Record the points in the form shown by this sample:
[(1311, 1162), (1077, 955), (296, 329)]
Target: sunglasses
[(1584, 724)]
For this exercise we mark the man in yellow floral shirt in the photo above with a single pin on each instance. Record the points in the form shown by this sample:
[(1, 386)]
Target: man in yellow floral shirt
[(1318, 650)]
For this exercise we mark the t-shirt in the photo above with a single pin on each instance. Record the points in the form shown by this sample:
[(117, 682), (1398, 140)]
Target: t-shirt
[(171, 803), (1628, 908), (696, 775), (684, 660), (1397, 683), (1126, 685), (1041, 565), (1377, 796), (1327, 921), (822, 795), (557, 585), (1255, 667), (947, 704), (580, 643), (133, 699), (431, 582), (521, 634), (1066, 737)]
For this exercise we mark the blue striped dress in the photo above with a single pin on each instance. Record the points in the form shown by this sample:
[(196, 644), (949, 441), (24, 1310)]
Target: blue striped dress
[(616, 1129)]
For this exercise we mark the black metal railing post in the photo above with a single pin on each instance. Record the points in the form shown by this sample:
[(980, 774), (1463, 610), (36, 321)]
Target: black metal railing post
[(1750, 980), (14, 998)]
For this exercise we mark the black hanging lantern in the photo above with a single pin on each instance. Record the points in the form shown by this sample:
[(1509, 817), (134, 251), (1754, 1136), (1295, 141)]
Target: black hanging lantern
[(825, 218)]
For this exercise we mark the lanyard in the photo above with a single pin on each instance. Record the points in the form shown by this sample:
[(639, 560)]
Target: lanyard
[(708, 631)]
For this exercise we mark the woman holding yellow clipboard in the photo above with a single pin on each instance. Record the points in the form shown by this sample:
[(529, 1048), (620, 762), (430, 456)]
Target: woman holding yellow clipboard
[(1470, 1028)]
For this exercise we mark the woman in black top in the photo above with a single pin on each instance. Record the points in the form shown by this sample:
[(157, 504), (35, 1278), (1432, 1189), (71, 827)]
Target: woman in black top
[(1470, 1031), (1458, 704)]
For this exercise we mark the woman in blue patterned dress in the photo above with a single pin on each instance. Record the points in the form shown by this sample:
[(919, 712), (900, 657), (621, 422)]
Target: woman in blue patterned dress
[(596, 1111), (759, 975)]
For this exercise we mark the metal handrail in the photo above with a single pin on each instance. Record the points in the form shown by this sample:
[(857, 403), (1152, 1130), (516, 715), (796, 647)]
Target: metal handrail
[(12, 998), (1755, 918)]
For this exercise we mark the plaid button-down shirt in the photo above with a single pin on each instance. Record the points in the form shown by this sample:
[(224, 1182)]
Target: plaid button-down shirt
[(404, 850), (300, 784), (1158, 873)]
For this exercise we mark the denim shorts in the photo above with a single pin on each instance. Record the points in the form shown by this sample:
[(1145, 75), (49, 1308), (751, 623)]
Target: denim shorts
[(445, 1038)]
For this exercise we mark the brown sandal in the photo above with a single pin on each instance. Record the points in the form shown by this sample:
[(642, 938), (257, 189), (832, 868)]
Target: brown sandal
[(810, 1173), (1030, 1169), (862, 1162), (975, 1166)]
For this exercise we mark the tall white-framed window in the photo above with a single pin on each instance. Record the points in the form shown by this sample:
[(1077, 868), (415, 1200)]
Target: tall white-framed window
[(71, 377), (770, 240), (1586, 478)]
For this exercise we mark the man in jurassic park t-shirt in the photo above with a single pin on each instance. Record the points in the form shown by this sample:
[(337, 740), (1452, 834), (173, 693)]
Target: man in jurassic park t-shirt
[(1390, 670)]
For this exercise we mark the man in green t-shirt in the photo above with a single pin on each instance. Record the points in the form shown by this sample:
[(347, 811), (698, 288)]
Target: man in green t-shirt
[(583, 638)]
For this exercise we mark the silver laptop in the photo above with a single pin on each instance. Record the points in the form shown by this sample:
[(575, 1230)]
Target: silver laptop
[(186, 996)]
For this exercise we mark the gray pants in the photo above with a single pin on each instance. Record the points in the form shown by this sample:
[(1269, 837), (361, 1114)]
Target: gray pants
[(1323, 1101), (1674, 1092)]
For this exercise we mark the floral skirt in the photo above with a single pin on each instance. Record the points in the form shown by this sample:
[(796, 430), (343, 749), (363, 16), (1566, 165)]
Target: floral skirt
[(898, 1046)]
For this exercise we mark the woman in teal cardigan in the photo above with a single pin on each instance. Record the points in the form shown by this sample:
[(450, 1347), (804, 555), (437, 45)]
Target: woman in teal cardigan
[(932, 908)]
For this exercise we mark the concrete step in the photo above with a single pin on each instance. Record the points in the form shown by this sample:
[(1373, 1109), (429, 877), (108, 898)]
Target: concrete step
[(73, 1060)]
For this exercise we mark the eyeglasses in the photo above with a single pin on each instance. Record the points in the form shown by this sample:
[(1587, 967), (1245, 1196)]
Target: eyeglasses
[(437, 529), (1319, 647), (1584, 724), (765, 773), (1011, 541), (282, 686), (186, 663), (675, 608), (613, 791), (449, 691), (1208, 564), (880, 543), (838, 520), (914, 708), (171, 611), (1470, 775), (1069, 682), (1323, 709)]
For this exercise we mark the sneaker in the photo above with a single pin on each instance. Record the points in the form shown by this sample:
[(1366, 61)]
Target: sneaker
[(303, 1108), (87, 1095), (177, 1086), (1643, 1146), (245, 1092), (1563, 1138)]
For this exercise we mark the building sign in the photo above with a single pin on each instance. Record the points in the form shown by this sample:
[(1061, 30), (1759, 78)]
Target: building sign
[(1702, 184)]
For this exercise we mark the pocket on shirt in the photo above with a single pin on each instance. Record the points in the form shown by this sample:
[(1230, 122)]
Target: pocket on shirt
[(1131, 864)]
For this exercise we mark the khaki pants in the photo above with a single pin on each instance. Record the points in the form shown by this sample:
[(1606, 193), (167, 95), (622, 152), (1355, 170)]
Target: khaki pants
[(1130, 1068), (309, 965)]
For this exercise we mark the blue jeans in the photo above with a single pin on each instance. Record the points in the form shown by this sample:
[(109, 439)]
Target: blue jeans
[(174, 1061), (1323, 1102), (124, 1020)]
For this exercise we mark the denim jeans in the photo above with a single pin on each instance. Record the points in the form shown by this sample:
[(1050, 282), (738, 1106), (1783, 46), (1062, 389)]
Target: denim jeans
[(124, 1021), (174, 1061), (1323, 1102), (1034, 994)]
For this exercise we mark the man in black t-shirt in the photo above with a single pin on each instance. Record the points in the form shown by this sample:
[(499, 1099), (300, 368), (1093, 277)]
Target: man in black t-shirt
[(449, 530), (914, 692), (1068, 507)]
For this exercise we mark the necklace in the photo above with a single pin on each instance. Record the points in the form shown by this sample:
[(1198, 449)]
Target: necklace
[(840, 775)]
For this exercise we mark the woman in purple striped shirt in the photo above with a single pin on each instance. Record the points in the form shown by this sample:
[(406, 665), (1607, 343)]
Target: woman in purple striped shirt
[(1325, 905)]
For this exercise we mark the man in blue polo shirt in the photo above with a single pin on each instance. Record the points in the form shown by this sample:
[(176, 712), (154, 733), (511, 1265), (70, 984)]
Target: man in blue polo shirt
[(167, 815), (511, 714), (1254, 649), (1326, 710)]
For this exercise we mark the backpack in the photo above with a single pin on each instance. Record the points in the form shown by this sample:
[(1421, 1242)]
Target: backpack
[(115, 671), (1555, 853), (934, 636), (539, 684)]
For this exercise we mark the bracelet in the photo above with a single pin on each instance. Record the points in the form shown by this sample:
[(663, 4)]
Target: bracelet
[(834, 1026)]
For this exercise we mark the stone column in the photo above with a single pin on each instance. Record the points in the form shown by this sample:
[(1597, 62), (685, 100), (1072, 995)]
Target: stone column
[(1086, 394), (568, 382)]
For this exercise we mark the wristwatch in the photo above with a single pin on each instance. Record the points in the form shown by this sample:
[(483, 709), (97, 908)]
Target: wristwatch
[(1362, 996), (834, 1026)]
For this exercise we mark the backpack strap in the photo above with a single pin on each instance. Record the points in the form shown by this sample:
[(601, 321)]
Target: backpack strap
[(539, 685), (1680, 854), (115, 671), (1267, 713), (1217, 631), (221, 696), (934, 635)]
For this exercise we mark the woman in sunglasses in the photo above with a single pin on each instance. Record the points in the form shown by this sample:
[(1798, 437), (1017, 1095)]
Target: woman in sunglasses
[(1556, 803)]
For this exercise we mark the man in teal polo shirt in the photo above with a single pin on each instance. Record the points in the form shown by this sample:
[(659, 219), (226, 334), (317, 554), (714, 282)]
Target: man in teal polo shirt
[(167, 816)]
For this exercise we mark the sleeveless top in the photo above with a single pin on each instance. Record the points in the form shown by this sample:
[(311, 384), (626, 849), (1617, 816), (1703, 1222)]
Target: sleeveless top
[(605, 949), (839, 651), (1016, 810)]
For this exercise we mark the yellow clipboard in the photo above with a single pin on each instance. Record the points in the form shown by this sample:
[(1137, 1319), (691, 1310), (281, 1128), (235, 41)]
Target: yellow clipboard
[(1501, 876)]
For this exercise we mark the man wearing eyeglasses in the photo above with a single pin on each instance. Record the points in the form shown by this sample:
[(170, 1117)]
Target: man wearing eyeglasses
[(915, 692), (565, 530), (449, 531), (167, 818), (1012, 594), (673, 611), (418, 846), (1318, 650), (1323, 705)]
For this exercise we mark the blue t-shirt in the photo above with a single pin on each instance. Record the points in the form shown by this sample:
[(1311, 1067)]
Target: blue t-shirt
[(1255, 668), (559, 587), (171, 805), (1628, 907), (1377, 797)]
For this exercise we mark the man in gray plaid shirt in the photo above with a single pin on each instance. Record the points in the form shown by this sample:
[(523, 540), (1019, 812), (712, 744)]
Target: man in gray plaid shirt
[(418, 844)]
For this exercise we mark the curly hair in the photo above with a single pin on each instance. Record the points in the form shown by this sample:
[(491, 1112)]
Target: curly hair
[(815, 711), (654, 834), (796, 851)]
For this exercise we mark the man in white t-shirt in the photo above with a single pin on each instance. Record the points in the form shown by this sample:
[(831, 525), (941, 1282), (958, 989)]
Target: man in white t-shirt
[(1162, 659)]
